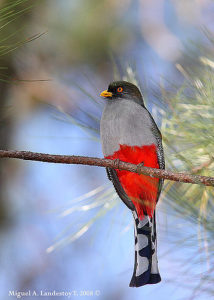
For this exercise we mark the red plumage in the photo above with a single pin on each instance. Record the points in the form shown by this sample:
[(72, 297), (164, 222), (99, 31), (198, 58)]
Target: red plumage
[(141, 189)]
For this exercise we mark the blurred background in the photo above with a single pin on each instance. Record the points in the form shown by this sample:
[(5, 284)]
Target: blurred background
[(62, 227)]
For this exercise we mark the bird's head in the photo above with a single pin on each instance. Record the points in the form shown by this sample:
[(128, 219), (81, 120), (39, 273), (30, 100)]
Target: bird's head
[(123, 90)]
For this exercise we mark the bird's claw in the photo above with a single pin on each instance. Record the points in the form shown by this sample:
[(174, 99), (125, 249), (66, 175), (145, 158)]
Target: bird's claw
[(139, 167), (116, 163)]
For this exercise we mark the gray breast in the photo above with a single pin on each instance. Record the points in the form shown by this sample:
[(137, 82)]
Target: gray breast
[(127, 123)]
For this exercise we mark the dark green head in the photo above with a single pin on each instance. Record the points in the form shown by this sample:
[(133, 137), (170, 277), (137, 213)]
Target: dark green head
[(123, 90)]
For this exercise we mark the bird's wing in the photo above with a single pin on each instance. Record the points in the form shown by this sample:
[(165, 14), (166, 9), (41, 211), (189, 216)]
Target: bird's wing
[(160, 151), (112, 175)]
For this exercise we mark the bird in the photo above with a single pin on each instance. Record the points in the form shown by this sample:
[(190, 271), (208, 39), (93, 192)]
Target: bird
[(129, 133)]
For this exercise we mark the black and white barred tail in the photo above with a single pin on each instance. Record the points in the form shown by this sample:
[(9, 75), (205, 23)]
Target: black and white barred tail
[(146, 263)]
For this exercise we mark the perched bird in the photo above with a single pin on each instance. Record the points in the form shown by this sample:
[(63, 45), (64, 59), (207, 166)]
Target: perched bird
[(130, 134)]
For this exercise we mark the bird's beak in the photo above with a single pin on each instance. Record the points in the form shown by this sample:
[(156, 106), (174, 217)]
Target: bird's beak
[(106, 94)]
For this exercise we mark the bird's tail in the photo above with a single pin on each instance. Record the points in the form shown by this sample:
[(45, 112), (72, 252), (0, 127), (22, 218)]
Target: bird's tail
[(146, 263)]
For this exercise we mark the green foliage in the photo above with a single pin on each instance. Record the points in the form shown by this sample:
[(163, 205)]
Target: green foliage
[(10, 14), (13, 21), (187, 128), (90, 30), (188, 134)]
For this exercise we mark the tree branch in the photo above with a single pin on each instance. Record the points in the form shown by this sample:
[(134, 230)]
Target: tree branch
[(115, 164)]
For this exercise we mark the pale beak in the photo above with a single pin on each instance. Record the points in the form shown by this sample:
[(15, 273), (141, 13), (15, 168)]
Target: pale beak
[(106, 94)]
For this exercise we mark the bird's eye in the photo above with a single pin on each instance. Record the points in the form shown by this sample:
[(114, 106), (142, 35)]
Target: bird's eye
[(120, 89)]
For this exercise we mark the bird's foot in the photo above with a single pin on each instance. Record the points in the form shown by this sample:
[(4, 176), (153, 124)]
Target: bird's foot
[(139, 167), (116, 163)]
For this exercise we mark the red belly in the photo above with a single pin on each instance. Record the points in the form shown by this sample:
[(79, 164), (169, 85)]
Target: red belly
[(141, 189)]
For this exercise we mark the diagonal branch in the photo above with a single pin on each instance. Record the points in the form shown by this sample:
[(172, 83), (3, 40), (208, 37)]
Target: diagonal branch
[(115, 164)]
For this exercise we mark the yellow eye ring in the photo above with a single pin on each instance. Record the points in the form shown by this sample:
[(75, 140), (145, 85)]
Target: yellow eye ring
[(120, 89)]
